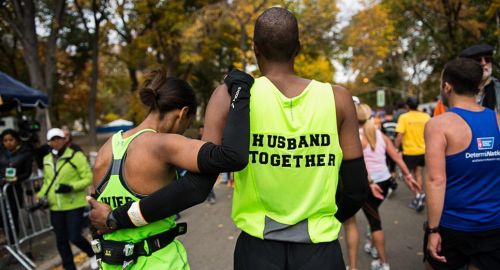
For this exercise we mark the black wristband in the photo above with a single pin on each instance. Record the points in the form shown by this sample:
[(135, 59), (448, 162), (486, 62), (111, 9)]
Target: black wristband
[(428, 229), (120, 214), (111, 222)]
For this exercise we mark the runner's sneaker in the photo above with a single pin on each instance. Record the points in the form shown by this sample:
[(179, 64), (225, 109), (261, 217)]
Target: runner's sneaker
[(420, 202), (368, 246), (93, 263), (389, 192), (392, 188), (377, 265), (414, 203), (370, 249), (211, 200)]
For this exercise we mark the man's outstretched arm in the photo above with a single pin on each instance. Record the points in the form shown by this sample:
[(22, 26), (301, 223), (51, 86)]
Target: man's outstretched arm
[(192, 188), (353, 178)]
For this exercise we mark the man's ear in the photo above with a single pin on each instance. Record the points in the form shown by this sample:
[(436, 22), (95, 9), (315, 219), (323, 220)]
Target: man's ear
[(299, 47), (447, 88), (256, 50)]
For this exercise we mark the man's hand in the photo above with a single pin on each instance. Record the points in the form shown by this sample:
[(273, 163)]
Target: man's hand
[(377, 191), (99, 215), (434, 247)]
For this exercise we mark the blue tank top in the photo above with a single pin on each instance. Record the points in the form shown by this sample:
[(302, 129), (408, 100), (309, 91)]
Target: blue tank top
[(472, 198)]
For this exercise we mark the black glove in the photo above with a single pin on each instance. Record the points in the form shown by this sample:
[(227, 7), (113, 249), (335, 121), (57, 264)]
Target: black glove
[(63, 188)]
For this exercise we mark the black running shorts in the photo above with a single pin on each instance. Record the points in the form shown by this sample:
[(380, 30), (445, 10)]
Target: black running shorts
[(482, 249), (413, 161), (253, 253)]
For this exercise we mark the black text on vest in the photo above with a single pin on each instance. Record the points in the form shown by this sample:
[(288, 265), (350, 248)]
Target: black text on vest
[(115, 201), (291, 156)]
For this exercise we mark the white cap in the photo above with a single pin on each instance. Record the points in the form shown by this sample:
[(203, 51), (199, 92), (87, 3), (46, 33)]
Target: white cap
[(54, 132)]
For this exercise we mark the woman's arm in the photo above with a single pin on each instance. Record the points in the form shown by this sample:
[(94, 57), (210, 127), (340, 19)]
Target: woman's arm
[(232, 154), (352, 172), (394, 155)]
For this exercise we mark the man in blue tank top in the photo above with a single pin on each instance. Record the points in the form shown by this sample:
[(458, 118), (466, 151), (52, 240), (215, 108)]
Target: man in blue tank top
[(463, 189)]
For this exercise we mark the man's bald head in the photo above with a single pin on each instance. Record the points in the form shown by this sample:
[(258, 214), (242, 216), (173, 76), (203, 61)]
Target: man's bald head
[(276, 35)]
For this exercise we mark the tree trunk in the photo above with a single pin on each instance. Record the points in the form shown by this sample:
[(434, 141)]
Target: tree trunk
[(11, 56), (243, 46), (132, 73), (93, 89), (50, 58), (32, 59), (24, 26), (498, 26), (30, 55)]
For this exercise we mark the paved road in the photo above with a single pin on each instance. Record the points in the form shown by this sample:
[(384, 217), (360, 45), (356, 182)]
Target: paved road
[(212, 236)]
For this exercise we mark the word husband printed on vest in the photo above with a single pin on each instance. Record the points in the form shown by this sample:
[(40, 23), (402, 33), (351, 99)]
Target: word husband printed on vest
[(303, 151)]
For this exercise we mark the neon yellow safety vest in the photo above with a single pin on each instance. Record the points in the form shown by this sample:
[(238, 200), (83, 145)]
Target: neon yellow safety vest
[(117, 193), (287, 191)]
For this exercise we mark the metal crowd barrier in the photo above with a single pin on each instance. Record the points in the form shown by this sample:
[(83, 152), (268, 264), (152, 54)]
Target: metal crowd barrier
[(31, 224)]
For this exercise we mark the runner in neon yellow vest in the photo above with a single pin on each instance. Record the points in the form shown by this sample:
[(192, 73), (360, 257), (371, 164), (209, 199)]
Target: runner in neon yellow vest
[(304, 141), (287, 191), (133, 164), (115, 193)]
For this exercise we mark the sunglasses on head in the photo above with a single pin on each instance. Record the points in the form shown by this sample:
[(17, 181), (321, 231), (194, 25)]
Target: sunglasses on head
[(487, 59)]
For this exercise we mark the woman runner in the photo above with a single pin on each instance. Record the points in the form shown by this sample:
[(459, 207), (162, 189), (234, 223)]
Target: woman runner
[(375, 146), (138, 162)]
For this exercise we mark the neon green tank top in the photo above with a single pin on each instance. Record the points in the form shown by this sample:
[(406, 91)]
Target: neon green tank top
[(287, 191), (116, 193)]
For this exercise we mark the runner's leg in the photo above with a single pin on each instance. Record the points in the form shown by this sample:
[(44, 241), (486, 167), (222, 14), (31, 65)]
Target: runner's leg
[(352, 240)]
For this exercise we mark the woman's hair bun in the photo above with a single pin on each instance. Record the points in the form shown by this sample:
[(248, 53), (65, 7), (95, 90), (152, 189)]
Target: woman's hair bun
[(148, 97), (149, 93)]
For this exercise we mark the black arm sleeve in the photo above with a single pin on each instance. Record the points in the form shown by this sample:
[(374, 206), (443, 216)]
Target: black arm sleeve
[(232, 155), (353, 188), (188, 191)]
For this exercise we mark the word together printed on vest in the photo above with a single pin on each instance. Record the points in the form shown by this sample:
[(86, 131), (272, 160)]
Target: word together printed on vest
[(293, 152)]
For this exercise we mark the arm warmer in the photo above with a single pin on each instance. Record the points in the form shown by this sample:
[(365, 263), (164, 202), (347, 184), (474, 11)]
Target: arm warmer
[(232, 155), (193, 188), (353, 188), (189, 190)]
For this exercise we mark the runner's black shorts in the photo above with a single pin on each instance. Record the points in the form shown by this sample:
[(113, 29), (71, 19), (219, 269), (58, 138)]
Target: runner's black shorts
[(253, 253), (390, 163), (481, 249), (413, 161)]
